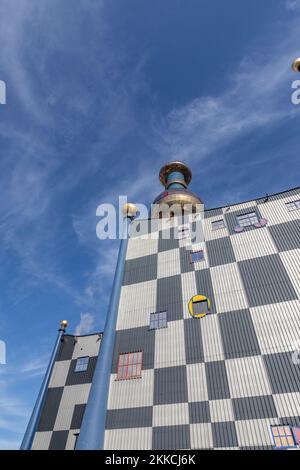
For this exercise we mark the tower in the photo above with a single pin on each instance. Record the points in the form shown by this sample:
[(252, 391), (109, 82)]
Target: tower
[(202, 332)]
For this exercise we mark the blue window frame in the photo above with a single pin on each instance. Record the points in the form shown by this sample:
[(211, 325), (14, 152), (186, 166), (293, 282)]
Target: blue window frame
[(283, 437), (196, 256), (81, 364), (158, 320)]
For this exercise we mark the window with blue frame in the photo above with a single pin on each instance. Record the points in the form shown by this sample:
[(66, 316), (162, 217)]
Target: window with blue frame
[(81, 364), (293, 205), (283, 437), (196, 256), (158, 320)]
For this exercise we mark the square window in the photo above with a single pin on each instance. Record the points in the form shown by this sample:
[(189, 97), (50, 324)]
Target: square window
[(293, 205), (282, 437), (218, 224), (158, 320), (196, 256), (200, 307), (81, 364), (246, 220), (130, 365)]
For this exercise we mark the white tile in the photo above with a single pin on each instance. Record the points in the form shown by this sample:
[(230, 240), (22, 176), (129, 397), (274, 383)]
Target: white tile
[(247, 377), (137, 301), (220, 411), (59, 374), (276, 211), (131, 393), (277, 326), (86, 346), (131, 439), (209, 233), (170, 415), (196, 381), (170, 345), (228, 288), (238, 207), (70, 445), (253, 244), (287, 404), (255, 432), (41, 440), (168, 263), (201, 436), (211, 338), (145, 245)]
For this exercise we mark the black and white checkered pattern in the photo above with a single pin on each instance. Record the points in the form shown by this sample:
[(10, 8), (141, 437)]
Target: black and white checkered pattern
[(219, 381)]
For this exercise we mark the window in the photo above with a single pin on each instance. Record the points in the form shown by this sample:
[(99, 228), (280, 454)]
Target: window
[(218, 224), (158, 320), (82, 364), (282, 437), (183, 231), (130, 365), (196, 256), (293, 205), (199, 306), (246, 220)]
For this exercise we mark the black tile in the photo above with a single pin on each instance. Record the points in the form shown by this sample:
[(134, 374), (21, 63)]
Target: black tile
[(167, 240), (231, 218), (171, 437), (204, 286), (220, 251), (58, 440), (169, 297), (216, 379), (77, 416), (140, 417), (254, 407), (193, 341), (224, 434), (75, 378), (284, 375), (238, 334), (66, 348), (170, 385), (50, 409), (140, 270), (286, 236), (133, 340), (199, 412)]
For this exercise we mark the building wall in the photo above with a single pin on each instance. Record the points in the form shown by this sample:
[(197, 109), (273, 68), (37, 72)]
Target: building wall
[(219, 381), (67, 394)]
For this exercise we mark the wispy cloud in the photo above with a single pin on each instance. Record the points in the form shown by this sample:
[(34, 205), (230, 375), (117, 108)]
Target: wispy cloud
[(85, 325)]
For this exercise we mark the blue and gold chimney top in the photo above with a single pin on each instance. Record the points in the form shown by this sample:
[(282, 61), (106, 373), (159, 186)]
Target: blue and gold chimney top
[(175, 177)]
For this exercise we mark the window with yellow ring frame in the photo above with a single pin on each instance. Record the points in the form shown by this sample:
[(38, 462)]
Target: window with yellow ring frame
[(196, 299)]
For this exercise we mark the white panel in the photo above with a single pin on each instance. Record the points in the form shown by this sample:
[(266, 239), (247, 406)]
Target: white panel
[(72, 395), (228, 288), (247, 377), (136, 303), (201, 436), (287, 404), (255, 432), (142, 246), (211, 338), (133, 439), (131, 393), (170, 345), (170, 415), (42, 440), (276, 211), (70, 445), (209, 233), (291, 261), (168, 263), (253, 244), (86, 346), (277, 326), (220, 411), (196, 381), (59, 374)]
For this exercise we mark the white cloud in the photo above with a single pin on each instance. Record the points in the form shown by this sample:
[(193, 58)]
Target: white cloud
[(85, 325), (293, 5)]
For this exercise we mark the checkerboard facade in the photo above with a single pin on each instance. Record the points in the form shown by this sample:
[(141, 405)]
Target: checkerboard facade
[(67, 394), (220, 381)]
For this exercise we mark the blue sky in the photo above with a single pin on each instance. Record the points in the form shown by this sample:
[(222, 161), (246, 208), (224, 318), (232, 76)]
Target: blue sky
[(100, 94)]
